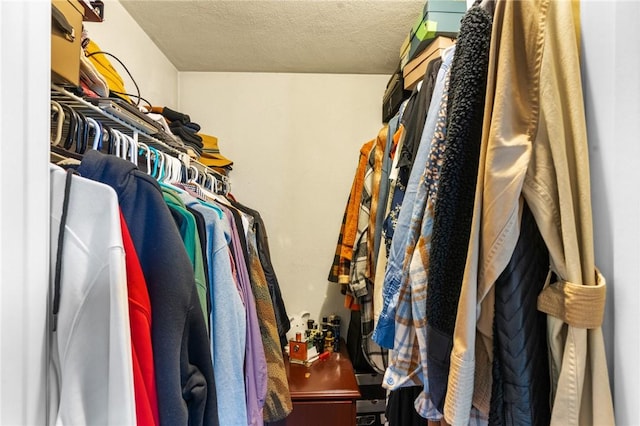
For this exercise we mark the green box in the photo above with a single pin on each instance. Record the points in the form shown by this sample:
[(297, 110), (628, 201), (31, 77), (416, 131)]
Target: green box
[(450, 6), (439, 18), (437, 23)]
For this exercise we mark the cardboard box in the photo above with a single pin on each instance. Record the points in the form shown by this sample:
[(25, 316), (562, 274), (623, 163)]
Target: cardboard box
[(65, 46), (414, 71)]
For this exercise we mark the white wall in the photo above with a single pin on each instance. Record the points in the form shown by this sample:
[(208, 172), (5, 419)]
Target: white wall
[(120, 35), (295, 140), (612, 98)]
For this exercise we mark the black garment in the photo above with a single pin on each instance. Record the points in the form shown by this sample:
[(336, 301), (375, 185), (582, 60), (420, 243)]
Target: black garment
[(401, 410), (521, 394), (187, 136), (173, 116), (496, 411), (414, 119), (354, 344), (193, 126), (182, 358), (454, 209), (282, 318)]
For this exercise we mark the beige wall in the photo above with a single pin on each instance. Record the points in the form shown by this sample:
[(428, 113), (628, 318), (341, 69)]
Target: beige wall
[(295, 140), (120, 35)]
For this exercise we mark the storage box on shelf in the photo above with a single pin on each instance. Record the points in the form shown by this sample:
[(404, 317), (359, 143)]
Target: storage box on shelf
[(439, 18), (414, 71), (66, 34)]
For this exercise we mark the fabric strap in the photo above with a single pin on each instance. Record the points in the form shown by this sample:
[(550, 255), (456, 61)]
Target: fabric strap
[(580, 306), (58, 273)]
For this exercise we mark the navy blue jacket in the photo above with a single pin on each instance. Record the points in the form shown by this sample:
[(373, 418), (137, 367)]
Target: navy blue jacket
[(520, 390), (182, 358)]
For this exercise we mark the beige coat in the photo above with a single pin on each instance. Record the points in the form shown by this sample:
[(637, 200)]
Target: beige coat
[(534, 146)]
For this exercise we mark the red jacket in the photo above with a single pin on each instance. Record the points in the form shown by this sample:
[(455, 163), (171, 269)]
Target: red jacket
[(144, 380)]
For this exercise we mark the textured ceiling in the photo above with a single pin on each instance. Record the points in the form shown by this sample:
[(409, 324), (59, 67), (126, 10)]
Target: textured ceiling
[(317, 36)]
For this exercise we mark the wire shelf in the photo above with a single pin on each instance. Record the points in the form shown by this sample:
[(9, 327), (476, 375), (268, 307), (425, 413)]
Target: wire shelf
[(159, 140)]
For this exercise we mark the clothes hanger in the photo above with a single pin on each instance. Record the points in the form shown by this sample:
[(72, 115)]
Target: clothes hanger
[(59, 114), (203, 194), (114, 142), (195, 174), (131, 151), (156, 160), (72, 128), (106, 135), (81, 136), (97, 136), (176, 169), (160, 176), (124, 146), (117, 140), (142, 147)]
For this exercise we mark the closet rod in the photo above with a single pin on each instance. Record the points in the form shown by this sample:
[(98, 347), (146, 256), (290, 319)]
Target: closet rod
[(159, 140)]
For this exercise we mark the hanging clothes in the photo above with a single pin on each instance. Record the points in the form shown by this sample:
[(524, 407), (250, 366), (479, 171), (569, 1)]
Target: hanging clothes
[(278, 403), (520, 390), (453, 212), (144, 379), (282, 318), (91, 371), (410, 150), (386, 189), (186, 395), (256, 372), (408, 364), (361, 271), (534, 147), (341, 265), (227, 318), (187, 226)]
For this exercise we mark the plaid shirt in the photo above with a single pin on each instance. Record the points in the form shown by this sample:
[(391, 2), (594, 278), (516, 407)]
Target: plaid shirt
[(376, 157), (340, 268), (358, 272), (361, 276), (409, 358), (402, 210)]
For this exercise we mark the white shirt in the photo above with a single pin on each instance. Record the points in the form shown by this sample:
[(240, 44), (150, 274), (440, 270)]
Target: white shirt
[(91, 373)]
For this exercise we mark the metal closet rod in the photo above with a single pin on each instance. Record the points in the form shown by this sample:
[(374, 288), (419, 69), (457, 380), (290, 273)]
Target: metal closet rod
[(63, 96)]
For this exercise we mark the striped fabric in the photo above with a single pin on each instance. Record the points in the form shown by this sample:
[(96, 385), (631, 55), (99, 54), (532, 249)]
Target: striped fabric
[(278, 400)]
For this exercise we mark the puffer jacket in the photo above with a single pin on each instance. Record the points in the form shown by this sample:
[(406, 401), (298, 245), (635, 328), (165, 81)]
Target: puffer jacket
[(520, 394)]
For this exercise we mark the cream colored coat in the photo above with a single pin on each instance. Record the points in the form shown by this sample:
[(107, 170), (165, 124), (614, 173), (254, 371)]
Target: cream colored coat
[(534, 147)]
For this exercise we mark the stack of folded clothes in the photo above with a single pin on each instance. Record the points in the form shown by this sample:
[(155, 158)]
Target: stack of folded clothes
[(181, 126)]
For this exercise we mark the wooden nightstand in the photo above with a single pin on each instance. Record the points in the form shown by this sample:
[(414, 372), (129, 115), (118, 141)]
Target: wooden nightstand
[(323, 394)]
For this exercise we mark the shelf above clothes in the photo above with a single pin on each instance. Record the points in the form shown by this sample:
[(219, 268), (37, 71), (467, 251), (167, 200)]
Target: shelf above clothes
[(137, 128)]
